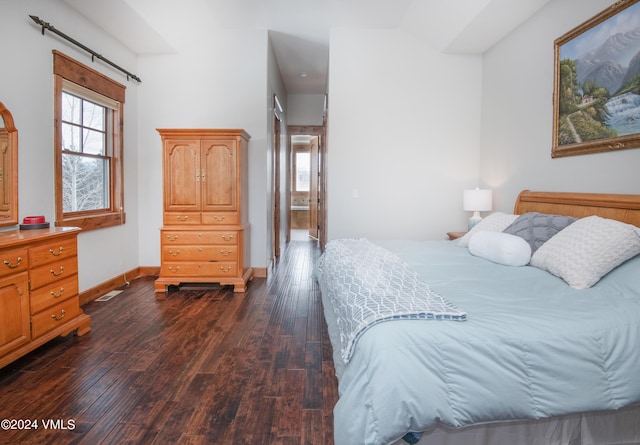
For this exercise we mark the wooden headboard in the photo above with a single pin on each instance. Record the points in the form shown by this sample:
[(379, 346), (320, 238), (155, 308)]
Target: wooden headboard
[(625, 208)]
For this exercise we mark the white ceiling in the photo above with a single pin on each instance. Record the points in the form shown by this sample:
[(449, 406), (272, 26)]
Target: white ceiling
[(300, 29)]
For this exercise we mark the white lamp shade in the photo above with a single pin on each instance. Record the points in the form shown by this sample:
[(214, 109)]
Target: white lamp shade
[(477, 200)]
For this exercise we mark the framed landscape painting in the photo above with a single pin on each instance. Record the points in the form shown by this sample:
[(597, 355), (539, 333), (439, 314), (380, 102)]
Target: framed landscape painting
[(596, 97)]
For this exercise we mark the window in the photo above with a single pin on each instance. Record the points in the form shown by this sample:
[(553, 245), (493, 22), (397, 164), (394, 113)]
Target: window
[(301, 168), (303, 171), (88, 110)]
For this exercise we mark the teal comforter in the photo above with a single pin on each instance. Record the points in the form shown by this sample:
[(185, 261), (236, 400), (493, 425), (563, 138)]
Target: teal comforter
[(532, 347)]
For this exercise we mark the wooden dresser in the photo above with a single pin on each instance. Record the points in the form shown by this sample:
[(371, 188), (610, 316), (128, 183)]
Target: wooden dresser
[(204, 238), (38, 289)]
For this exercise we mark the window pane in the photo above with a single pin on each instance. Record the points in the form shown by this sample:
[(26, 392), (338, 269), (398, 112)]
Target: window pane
[(303, 171), (93, 115), (71, 137), (85, 183), (71, 107), (93, 142)]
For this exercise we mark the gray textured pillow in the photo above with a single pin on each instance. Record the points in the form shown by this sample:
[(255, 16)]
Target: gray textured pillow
[(536, 228)]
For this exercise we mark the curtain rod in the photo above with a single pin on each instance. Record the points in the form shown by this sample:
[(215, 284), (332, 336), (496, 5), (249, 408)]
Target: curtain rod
[(94, 54)]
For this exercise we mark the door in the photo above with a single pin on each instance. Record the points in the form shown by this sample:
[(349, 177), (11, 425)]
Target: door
[(218, 175), (313, 188), (14, 312), (276, 189), (182, 175)]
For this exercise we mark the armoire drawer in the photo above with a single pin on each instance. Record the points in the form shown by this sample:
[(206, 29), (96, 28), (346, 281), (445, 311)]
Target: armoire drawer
[(220, 218), (180, 218), (49, 253), (200, 269), (200, 253), (53, 317), (53, 293), (49, 273)]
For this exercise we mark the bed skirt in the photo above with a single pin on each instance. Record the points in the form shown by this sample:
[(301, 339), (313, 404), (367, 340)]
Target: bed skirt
[(595, 428)]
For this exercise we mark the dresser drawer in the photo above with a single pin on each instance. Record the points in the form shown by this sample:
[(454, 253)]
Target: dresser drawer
[(13, 261), (49, 253), (53, 317), (50, 273), (177, 218), (220, 218), (53, 293), (200, 253), (200, 269), (197, 237)]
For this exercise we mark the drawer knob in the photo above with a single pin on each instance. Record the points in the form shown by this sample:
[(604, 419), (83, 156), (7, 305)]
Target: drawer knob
[(54, 253), (225, 269), (182, 217), (174, 253), (13, 265), (55, 317), (56, 274), (225, 252), (227, 237), (57, 294), (219, 218), (174, 269), (172, 237)]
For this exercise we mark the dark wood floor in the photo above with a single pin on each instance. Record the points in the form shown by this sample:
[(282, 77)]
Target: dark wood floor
[(200, 367)]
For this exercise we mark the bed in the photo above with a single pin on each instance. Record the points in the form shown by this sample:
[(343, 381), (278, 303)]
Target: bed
[(499, 353)]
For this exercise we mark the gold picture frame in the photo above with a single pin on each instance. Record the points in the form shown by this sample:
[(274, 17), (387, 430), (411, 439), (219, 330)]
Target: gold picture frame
[(596, 94)]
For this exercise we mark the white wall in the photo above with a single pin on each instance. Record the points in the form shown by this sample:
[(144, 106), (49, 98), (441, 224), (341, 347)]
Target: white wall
[(276, 87), (215, 80), (403, 131), (305, 109), (26, 89), (517, 115)]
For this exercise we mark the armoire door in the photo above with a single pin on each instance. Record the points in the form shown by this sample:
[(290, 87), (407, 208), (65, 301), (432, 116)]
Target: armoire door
[(182, 175), (219, 175)]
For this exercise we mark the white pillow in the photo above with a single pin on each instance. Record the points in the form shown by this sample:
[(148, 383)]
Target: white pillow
[(587, 250), (501, 248), (496, 222)]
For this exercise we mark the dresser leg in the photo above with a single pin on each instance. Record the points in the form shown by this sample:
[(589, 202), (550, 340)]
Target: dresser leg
[(84, 326)]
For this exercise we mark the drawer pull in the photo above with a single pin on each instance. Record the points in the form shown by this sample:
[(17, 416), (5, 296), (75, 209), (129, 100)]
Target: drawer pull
[(57, 274), (227, 237), (55, 317), (54, 253), (13, 266), (57, 294), (182, 217), (225, 269), (219, 218), (172, 237), (225, 252), (174, 253), (174, 269)]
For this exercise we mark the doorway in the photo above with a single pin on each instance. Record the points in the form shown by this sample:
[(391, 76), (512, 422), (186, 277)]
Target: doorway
[(306, 180)]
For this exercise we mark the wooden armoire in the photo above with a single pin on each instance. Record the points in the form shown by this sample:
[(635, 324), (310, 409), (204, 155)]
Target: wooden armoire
[(205, 233)]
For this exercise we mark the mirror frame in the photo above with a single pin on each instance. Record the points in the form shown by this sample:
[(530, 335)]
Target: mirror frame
[(11, 216)]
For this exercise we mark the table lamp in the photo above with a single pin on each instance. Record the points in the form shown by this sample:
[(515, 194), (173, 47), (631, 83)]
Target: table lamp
[(476, 201)]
